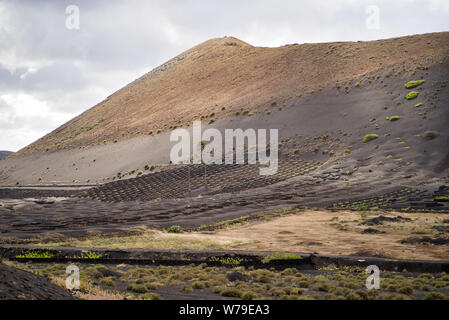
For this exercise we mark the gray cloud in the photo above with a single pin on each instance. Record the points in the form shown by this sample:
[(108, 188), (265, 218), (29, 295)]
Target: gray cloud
[(49, 73)]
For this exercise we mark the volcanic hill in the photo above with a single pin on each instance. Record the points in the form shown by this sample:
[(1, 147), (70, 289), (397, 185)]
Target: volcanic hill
[(324, 98)]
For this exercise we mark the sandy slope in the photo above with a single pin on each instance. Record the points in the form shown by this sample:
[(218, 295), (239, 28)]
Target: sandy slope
[(343, 116), (229, 73)]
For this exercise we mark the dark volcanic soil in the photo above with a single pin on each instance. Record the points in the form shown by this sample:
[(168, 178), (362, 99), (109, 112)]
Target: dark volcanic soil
[(82, 217), (323, 163), (21, 285)]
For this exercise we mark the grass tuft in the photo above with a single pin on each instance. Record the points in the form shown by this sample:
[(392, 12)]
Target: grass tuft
[(412, 95), (413, 84), (370, 137), (393, 118)]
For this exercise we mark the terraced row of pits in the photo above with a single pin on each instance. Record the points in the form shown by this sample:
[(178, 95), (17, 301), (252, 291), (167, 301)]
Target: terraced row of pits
[(191, 180), (405, 199)]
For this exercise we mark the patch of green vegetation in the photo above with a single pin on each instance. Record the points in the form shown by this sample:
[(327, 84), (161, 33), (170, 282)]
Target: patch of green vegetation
[(393, 118), (218, 289), (412, 95), (249, 295), (137, 288), (442, 198), (407, 290), (199, 285), (331, 282), (227, 223), (150, 296), (36, 254), (108, 282), (436, 296), (370, 137), (280, 256), (413, 84), (175, 229), (89, 255), (418, 105), (235, 293), (226, 260)]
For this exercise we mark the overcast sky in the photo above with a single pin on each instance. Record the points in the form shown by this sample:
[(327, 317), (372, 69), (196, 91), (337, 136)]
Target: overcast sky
[(51, 70)]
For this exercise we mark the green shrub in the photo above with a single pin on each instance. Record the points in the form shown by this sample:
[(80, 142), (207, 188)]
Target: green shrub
[(249, 295), (89, 255), (154, 296), (151, 286), (138, 288), (444, 278), (413, 84), (218, 289), (370, 137), (418, 105), (231, 293), (175, 229), (436, 296), (199, 285), (322, 286), (108, 282), (150, 296), (280, 256), (406, 290), (289, 272), (393, 118), (411, 95), (36, 254)]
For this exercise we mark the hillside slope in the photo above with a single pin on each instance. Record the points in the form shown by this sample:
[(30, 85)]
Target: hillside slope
[(323, 98), (223, 76)]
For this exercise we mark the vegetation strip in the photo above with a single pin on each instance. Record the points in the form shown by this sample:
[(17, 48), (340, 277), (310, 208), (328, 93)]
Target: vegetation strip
[(230, 258)]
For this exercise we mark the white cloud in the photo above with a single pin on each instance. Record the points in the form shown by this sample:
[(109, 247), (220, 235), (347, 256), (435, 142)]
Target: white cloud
[(23, 119)]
